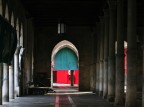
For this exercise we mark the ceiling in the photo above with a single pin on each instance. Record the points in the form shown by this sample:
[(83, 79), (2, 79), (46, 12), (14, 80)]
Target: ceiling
[(71, 12)]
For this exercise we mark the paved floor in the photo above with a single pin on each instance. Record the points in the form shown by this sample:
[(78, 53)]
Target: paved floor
[(64, 97)]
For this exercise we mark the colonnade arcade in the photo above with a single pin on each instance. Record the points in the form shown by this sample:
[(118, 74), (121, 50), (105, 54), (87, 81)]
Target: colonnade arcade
[(11, 72), (118, 25)]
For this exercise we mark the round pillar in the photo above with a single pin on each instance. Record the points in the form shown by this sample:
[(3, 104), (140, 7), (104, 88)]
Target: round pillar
[(1, 70), (11, 82), (101, 79), (111, 58), (101, 56), (97, 77), (16, 75), (119, 95), (143, 79), (5, 86), (105, 85), (98, 57), (131, 91)]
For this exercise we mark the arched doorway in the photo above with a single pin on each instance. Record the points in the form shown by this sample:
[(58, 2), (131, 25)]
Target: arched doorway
[(64, 64)]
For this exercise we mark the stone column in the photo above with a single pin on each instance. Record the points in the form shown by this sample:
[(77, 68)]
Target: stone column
[(16, 72), (132, 55), (143, 78), (72, 77), (97, 77), (119, 95), (111, 58), (1, 70), (5, 86), (92, 65), (11, 82), (143, 73), (101, 56), (106, 35), (98, 57)]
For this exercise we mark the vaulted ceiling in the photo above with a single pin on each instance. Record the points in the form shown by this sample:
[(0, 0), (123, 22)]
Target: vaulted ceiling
[(80, 12)]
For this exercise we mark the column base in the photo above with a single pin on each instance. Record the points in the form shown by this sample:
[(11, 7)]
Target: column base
[(111, 98), (17, 91), (100, 93)]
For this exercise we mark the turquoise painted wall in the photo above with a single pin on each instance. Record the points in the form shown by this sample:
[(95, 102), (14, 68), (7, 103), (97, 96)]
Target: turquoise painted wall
[(66, 59)]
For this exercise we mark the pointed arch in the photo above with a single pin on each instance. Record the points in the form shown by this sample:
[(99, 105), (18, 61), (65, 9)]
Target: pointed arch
[(18, 34), (21, 35), (6, 14), (12, 19), (64, 44)]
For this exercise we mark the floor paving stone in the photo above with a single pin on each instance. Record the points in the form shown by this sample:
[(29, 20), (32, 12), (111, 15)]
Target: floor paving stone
[(62, 98)]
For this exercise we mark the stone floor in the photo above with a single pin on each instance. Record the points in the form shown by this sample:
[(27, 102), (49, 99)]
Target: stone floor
[(64, 97)]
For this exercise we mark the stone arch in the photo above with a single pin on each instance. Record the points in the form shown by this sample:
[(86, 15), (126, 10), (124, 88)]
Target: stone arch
[(62, 44)]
